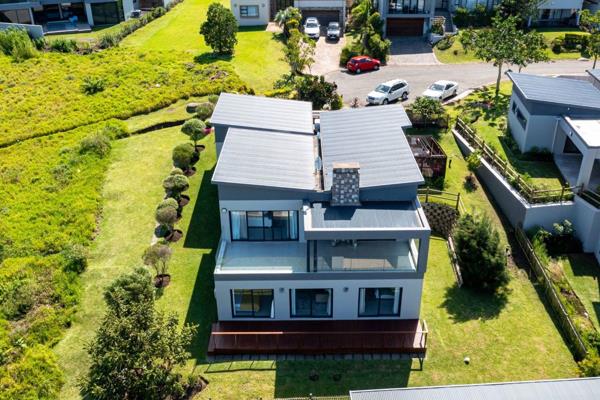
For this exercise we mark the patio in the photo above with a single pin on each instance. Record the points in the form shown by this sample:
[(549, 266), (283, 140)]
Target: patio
[(66, 26), (569, 166)]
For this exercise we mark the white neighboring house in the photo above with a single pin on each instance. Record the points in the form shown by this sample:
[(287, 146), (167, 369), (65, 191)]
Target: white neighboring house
[(260, 12), (251, 12)]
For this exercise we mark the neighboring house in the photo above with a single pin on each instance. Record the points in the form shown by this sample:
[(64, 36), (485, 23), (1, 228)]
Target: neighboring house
[(407, 17), (561, 389), (260, 12), (323, 227), (251, 12)]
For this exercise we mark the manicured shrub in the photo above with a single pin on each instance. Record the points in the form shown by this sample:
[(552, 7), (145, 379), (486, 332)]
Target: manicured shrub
[(174, 185), (427, 109), (481, 258), (445, 43), (347, 53), (204, 111), (93, 84), (437, 27), (97, 143), (213, 99), (317, 90), (337, 103), (176, 171), (166, 216), (63, 45), (194, 128), (157, 256), (378, 47), (183, 156), (109, 40)]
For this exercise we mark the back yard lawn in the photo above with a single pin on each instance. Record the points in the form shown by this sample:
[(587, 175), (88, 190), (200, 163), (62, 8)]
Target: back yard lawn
[(583, 273)]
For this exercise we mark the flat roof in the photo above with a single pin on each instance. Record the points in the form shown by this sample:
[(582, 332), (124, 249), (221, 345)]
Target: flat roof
[(370, 215), (373, 137), (267, 159), (562, 389), (264, 113), (588, 130), (560, 91)]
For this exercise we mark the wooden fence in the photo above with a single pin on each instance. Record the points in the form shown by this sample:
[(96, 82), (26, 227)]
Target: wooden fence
[(430, 195), (565, 322), (529, 193)]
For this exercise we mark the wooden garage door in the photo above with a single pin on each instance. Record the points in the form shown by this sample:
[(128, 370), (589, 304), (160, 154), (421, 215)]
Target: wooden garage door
[(324, 16), (404, 27)]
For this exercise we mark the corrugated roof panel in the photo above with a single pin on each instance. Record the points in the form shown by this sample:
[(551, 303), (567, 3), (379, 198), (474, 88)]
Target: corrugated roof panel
[(565, 389), (563, 91), (373, 137), (266, 113), (268, 159)]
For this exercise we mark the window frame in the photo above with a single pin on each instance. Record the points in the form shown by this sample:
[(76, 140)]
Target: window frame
[(253, 316), (330, 316), (290, 236), (379, 314), (247, 7)]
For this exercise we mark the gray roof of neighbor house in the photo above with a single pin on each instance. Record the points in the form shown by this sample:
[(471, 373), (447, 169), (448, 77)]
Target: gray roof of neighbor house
[(595, 73), (243, 111), (562, 389), (267, 159), (373, 137), (562, 91)]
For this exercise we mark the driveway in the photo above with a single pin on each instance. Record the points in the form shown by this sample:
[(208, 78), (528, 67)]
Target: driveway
[(411, 51), (327, 56), (419, 77)]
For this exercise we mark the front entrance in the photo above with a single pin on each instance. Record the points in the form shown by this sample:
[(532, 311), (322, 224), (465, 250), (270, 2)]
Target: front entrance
[(404, 26)]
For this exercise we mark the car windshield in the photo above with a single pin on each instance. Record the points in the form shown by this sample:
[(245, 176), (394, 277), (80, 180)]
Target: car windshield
[(437, 87), (382, 89), (334, 25), (311, 25)]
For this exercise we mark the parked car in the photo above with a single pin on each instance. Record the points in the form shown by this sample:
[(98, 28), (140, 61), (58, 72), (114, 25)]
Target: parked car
[(333, 31), (360, 64), (388, 92), (312, 28), (441, 90)]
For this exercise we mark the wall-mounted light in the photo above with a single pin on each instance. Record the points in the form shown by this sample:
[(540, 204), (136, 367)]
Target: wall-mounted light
[(223, 210), (281, 290)]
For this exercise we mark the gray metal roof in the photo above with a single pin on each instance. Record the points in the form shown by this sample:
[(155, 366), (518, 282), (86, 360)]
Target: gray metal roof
[(267, 159), (373, 137), (563, 91), (595, 73), (370, 215), (242, 111), (565, 389)]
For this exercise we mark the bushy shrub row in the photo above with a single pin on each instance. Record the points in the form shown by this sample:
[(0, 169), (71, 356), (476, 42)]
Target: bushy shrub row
[(477, 17), (15, 42), (570, 43), (126, 28)]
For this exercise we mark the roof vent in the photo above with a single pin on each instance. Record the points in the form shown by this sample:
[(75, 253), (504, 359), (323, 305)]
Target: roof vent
[(318, 164), (345, 186)]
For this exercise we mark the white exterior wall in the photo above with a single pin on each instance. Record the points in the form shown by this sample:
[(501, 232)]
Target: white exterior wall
[(540, 132), (128, 7), (88, 13), (517, 131), (345, 302), (263, 12)]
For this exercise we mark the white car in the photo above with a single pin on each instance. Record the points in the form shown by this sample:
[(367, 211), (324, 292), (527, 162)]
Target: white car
[(441, 90), (389, 91), (312, 28)]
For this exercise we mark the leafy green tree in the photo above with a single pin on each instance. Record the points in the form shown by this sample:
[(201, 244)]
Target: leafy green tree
[(503, 43), (220, 29), (524, 10), (367, 22), (175, 184), (183, 156), (427, 108), (137, 349), (157, 256), (316, 90), (194, 128), (480, 255), (299, 52), (285, 16), (591, 23), (205, 111)]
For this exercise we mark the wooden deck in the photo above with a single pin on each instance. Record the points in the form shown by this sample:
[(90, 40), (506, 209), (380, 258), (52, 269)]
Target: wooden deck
[(318, 337)]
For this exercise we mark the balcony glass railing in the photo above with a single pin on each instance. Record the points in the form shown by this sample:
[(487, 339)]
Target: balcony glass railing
[(408, 7)]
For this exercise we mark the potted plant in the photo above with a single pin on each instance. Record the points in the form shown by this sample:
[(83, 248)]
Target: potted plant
[(157, 256), (208, 128), (174, 185), (196, 130), (204, 111), (166, 216), (184, 156)]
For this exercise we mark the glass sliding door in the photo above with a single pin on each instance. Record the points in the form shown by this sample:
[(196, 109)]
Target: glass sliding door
[(311, 303), (379, 302), (264, 225), (252, 303)]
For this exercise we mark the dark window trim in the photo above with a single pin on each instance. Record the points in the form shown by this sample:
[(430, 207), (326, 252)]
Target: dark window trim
[(379, 314), (263, 229), (247, 7), (312, 316), (232, 296)]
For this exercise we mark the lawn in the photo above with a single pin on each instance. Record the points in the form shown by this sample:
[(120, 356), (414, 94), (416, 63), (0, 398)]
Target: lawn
[(455, 53), (583, 273), (258, 57), (92, 36)]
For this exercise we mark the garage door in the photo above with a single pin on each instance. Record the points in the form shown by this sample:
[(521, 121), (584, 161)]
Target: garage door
[(324, 16), (405, 27)]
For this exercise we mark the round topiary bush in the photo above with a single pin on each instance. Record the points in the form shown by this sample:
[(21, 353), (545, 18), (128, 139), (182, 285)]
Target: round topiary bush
[(204, 111), (183, 156), (195, 129), (174, 185)]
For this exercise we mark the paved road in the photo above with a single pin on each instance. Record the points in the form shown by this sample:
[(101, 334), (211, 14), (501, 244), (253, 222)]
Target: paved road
[(419, 77)]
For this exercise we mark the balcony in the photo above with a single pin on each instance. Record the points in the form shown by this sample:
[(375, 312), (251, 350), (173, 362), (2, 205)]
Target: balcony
[(409, 7), (261, 257)]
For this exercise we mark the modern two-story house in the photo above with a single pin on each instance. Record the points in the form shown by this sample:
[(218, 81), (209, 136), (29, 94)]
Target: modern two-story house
[(407, 17), (260, 12), (321, 229)]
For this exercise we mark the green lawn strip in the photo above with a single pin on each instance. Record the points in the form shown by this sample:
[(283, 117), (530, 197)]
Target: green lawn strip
[(173, 113), (125, 231), (91, 36), (258, 57), (583, 273)]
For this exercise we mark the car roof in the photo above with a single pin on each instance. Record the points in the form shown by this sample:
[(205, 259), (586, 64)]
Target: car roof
[(393, 82), (444, 82), (311, 19), (333, 23), (359, 57)]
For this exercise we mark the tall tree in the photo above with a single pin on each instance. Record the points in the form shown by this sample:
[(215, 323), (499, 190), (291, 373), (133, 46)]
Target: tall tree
[(524, 10), (299, 52), (285, 16), (503, 43), (220, 29), (591, 23)]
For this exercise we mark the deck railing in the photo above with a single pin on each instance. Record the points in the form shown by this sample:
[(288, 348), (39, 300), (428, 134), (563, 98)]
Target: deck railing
[(529, 193), (591, 197), (430, 195)]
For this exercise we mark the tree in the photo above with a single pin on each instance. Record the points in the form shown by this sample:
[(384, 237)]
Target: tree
[(194, 128), (285, 16), (135, 354), (316, 90), (368, 23), (220, 29), (166, 215), (591, 23), (183, 155), (299, 52), (175, 184), (480, 256), (427, 108), (205, 110), (157, 256), (504, 43), (524, 10)]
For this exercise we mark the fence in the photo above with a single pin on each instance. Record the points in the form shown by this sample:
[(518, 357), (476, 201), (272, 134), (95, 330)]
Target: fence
[(429, 195), (529, 193), (591, 197), (566, 324)]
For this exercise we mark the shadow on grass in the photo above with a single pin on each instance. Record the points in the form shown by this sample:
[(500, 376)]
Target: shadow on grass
[(465, 305), (203, 231), (210, 57), (336, 378)]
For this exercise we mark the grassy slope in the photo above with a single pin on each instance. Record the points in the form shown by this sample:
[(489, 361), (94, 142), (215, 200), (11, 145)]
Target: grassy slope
[(448, 57), (258, 54), (583, 273)]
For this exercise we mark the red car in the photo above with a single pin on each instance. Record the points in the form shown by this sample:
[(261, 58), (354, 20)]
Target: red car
[(359, 64)]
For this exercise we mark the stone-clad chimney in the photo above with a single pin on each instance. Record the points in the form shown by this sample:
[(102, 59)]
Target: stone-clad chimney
[(345, 185)]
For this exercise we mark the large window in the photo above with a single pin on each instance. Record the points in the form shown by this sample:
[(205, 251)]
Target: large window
[(407, 7), (311, 303), (106, 13), (252, 303), (249, 11), (264, 225), (379, 302), (520, 117)]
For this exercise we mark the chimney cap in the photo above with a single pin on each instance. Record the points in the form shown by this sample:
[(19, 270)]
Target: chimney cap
[(337, 165)]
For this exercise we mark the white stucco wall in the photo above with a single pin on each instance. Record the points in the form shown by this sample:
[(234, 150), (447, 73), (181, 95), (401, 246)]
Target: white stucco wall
[(128, 7), (517, 131), (263, 12), (345, 302)]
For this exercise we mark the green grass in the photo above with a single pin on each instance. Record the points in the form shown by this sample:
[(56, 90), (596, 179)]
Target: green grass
[(175, 112), (456, 55), (583, 273), (258, 57), (92, 36)]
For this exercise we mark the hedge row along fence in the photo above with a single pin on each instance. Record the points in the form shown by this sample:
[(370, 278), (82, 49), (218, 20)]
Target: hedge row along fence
[(531, 194)]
